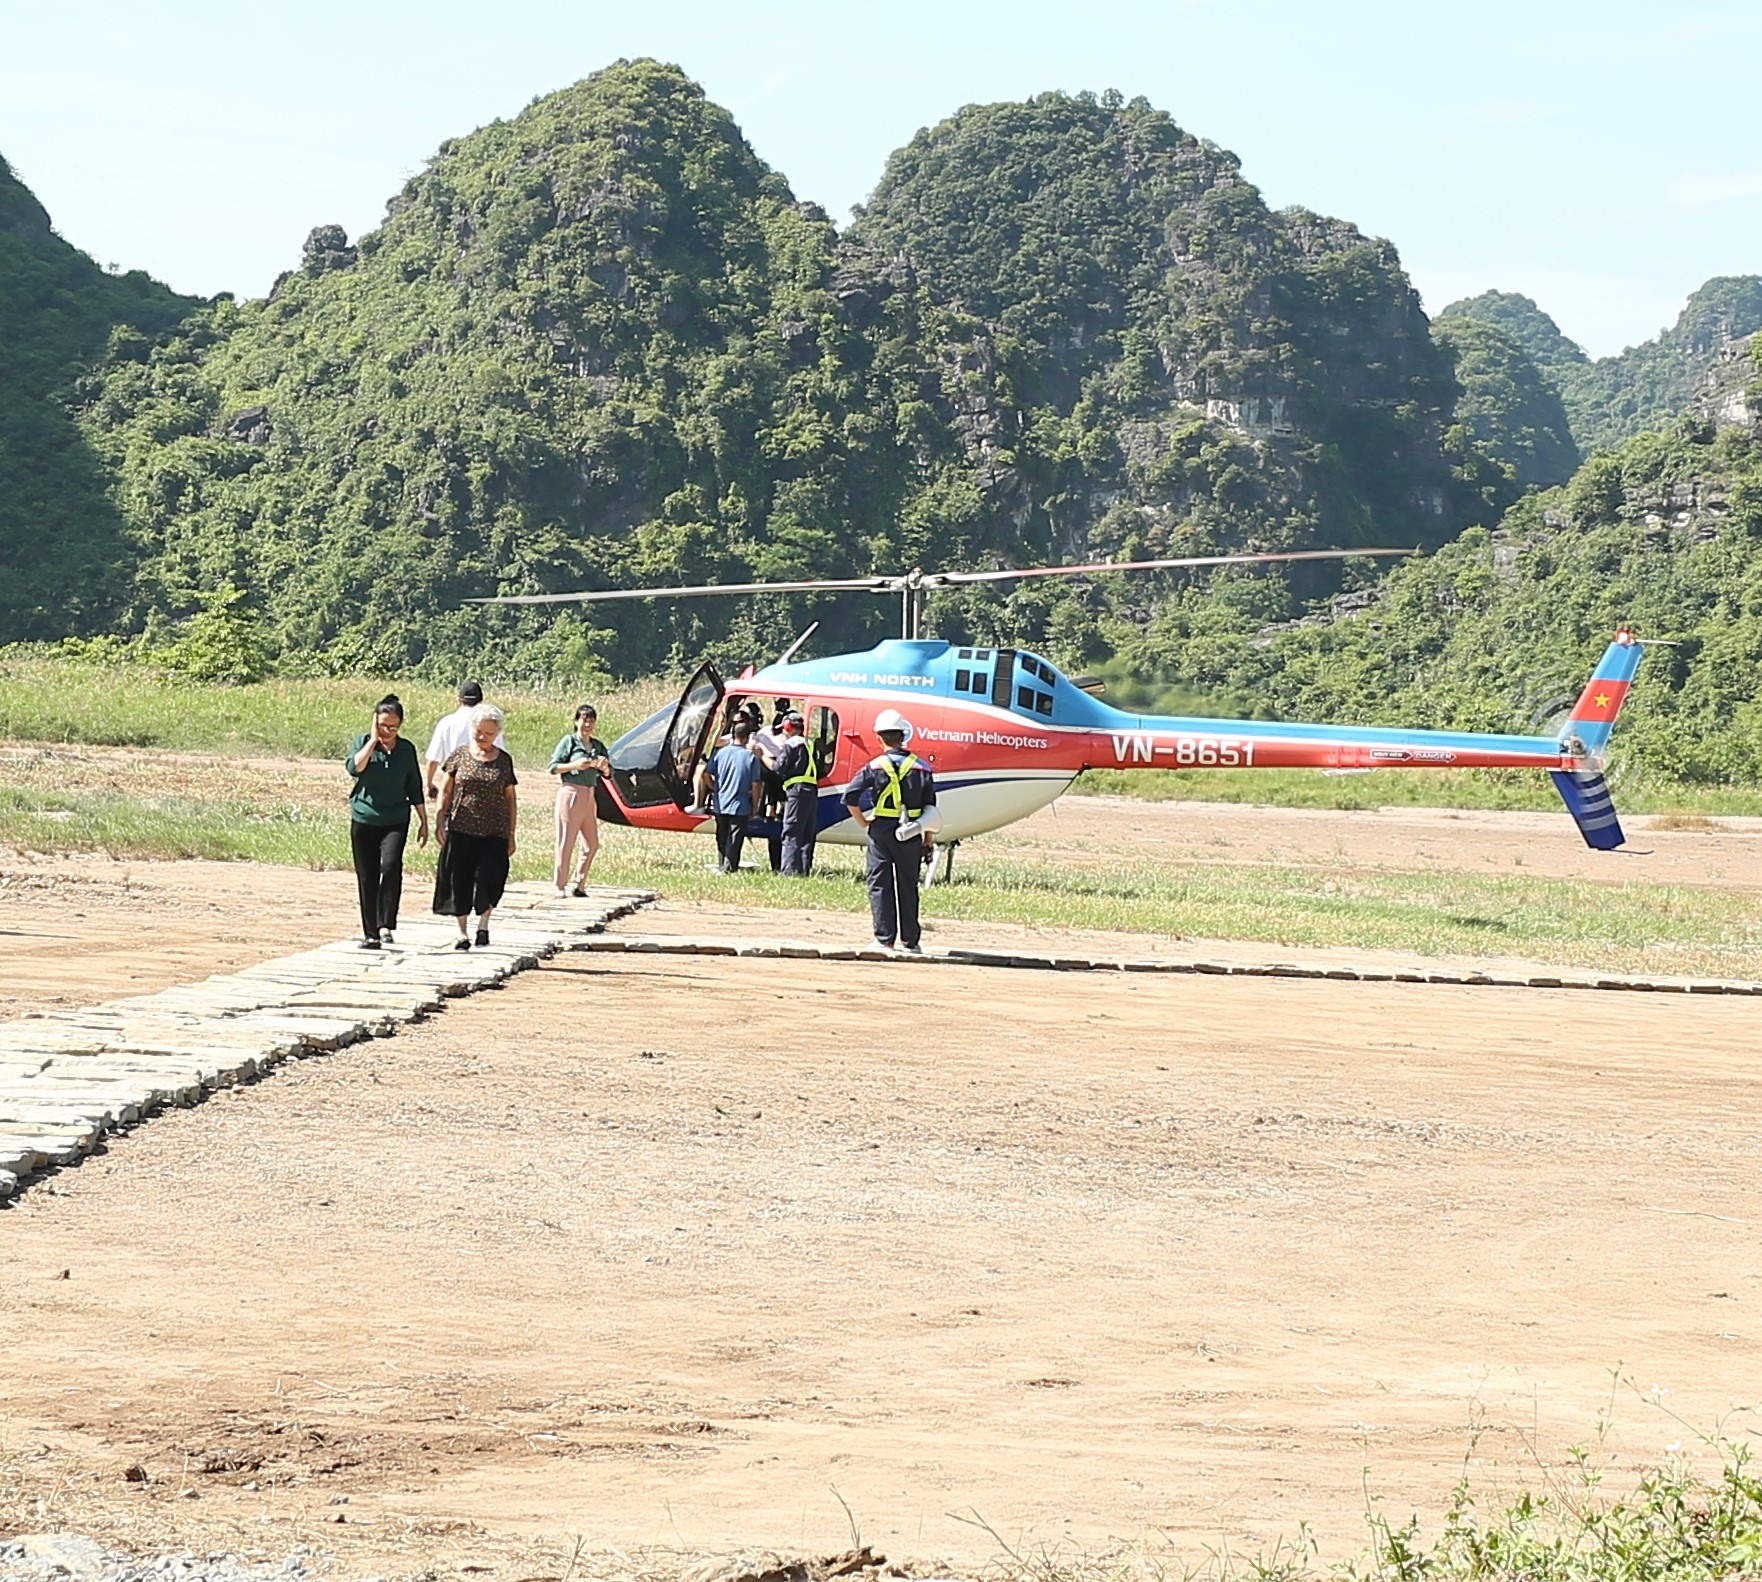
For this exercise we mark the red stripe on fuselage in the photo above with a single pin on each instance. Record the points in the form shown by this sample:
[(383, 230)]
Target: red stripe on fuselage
[(972, 738)]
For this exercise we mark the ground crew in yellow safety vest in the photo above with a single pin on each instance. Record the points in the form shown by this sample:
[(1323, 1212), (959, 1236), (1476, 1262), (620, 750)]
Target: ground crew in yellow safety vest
[(801, 797), (892, 788)]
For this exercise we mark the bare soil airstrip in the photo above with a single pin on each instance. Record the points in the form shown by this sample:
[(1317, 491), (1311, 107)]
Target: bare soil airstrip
[(692, 1254)]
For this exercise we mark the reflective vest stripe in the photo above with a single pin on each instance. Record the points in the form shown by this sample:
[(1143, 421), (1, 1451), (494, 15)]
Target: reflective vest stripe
[(890, 802), (810, 775)]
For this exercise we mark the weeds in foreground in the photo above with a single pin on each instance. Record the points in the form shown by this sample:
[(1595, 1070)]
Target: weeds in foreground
[(1671, 1526), (1674, 1526)]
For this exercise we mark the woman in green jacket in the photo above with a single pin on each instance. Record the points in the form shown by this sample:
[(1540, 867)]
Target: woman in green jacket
[(578, 762), (388, 784)]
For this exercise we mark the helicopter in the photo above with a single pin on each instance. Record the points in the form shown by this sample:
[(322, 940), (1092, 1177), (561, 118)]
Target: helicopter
[(1006, 732)]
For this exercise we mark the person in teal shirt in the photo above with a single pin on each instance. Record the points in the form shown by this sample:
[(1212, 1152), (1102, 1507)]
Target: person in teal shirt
[(578, 762), (387, 785)]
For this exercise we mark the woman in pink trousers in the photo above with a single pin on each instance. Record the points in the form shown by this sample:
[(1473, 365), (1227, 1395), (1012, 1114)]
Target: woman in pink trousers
[(578, 763)]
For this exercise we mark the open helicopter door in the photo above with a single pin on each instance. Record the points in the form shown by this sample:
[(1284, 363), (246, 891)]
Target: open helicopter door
[(653, 763), (688, 733)]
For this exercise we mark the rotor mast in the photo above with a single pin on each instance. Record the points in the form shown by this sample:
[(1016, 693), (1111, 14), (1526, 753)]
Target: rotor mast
[(913, 590)]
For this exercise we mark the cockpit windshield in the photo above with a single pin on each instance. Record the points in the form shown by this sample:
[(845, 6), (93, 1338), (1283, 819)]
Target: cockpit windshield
[(640, 746)]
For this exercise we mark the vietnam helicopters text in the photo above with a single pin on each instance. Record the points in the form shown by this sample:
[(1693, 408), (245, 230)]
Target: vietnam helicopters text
[(1006, 732)]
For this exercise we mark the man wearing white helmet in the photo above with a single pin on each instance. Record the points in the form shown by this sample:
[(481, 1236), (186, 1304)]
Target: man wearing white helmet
[(890, 796)]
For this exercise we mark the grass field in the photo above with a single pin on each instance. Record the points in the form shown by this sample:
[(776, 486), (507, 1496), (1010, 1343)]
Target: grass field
[(235, 804), (45, 699), (1636, 927)]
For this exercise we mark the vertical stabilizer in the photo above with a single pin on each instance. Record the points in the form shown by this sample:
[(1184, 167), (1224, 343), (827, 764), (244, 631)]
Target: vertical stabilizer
[(1586, 735), (1593, 716)]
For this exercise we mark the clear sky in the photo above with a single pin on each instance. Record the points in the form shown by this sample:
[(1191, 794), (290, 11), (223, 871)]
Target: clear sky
[(1599, 157)]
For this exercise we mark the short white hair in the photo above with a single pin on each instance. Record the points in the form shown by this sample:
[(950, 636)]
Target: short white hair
[(484, 713)]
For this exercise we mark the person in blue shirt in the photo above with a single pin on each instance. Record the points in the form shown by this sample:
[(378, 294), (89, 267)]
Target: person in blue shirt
[(387, 785), (889, 788), (733, 775)]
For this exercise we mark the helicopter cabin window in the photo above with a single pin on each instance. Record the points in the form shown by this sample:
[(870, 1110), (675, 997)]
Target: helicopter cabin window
[(1029, 698)]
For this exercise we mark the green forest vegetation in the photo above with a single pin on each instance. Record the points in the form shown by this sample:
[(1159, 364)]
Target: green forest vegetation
[(65, 554), (603, 344), (1498, 630), (1611, 399)]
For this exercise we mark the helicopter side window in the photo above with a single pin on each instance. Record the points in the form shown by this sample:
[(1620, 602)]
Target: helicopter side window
[(1029, 698), (962, 680)]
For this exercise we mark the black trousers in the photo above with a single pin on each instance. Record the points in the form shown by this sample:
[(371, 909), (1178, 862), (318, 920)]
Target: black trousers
[(801, 813), (379, 872), (471, 874), (731, 839), (893, 884)]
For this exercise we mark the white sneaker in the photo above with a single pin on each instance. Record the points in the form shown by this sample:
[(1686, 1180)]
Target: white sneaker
[(881, 944)]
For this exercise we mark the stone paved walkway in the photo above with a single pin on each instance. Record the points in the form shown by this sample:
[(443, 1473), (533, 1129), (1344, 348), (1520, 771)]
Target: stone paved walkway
[(69, 1077), (1417, 971)]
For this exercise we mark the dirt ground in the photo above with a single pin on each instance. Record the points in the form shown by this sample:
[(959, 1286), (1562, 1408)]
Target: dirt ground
[(694, 1254)]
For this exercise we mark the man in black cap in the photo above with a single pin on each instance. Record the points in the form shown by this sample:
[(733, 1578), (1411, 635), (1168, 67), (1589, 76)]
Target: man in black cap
[(451, 732)]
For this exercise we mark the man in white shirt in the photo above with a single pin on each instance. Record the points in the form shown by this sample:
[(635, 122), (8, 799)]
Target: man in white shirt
[(451, 732), (768, 745)]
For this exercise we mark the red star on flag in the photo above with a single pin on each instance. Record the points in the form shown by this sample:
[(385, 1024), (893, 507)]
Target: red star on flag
[(1602, 700)]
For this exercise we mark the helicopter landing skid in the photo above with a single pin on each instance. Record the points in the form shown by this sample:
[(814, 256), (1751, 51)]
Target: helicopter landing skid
[(941, 865)]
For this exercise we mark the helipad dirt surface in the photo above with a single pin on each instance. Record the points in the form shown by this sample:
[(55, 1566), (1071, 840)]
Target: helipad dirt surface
[(692, 1253)]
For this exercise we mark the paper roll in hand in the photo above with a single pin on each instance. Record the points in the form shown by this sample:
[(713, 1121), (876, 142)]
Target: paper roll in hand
[(929, 822)]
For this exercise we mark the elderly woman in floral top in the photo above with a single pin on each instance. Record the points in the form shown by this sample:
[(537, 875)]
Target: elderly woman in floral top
[(475, 823)]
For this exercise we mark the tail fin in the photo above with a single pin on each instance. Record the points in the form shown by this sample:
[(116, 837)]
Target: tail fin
[(1593, 716), (1586, 734)]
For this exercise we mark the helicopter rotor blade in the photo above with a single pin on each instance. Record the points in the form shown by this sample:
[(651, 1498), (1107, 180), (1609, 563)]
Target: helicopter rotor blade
[(917, 581), (1100, 567), (862, 584)]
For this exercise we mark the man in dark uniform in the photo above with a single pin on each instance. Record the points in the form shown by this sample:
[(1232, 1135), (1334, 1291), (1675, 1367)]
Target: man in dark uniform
[(800, 775), (894, 786)]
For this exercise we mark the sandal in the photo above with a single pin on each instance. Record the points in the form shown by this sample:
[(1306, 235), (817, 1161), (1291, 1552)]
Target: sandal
[(482, 936)]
